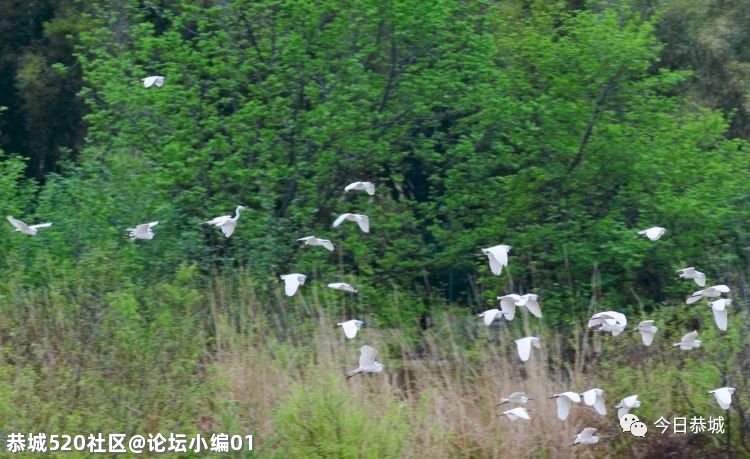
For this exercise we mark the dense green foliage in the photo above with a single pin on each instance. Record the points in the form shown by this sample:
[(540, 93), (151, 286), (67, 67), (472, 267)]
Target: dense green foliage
[(558, 128)]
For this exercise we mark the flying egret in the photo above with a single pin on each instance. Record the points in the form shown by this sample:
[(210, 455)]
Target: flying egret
[(653, 233), (362, 220), (524, 346), (351, 327), (292, 282), (692, 273), (608, 321), (342, 286), (517, 413), (720, 312), (627, 404), (714, 291), (564, 401), (312, 240), (647, 331), (155, 80), (723, 396), (595, 397), (515, 397), (508, 305), (27, 229), (226, 222), (498, 256), (369, 187), (490, 315), (586, 437), (367, 363), (142, 231), (689, 341)]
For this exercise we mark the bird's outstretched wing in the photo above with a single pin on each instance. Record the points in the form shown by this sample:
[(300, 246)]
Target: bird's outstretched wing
[(367, 356), (364, 222)]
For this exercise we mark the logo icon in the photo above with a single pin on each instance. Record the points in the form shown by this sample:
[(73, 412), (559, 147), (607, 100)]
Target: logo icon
[(631, 423)]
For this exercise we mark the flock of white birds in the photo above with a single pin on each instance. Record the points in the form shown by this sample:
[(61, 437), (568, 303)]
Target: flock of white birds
[(606, 321)]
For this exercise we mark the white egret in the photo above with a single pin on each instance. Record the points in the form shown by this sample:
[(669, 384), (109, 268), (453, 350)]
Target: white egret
[(692, 273), (564, 401), (689, 341), (723, 396), (515, 397), (27, 229), (226, 222), (595, 397), (608, 321), (653, 233), (627, 404), (490, 315), (524, 346), (142, 231), (508, 305), (312, 240), (714, 291), (498, 256), (369, 187), (155, 80), (517, 413), (292, 282), (586, 437), (351, 327), (362, 220), (719, 308), (342, 286), (647, 331), (367, 363)]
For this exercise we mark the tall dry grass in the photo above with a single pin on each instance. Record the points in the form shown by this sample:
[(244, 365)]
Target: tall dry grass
[(283, 368)]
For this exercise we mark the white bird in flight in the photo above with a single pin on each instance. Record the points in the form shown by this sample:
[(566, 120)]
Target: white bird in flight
[(292, 282), (509, 302), (719, 308), (647, 331), (313, 241), (689, 341), (155, 80), (653, 233), (517, 413), (515, 397), (226, 222), (369, 187), (342, 286), (627, 404), (723, 396), (490, 315), (350, 327), (595, 397), (142, 231), (498, 256), (714, 291), (367, 363), (586, 437), (362, 220), (564, 401), (608, 321), (27, 229), (692, 273), (524, 346)]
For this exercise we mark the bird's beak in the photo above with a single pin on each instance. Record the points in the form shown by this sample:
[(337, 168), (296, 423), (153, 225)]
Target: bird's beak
[(501, 403)]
